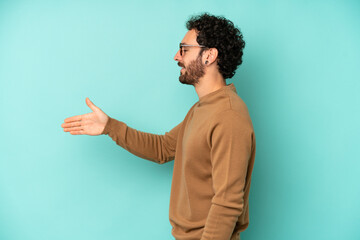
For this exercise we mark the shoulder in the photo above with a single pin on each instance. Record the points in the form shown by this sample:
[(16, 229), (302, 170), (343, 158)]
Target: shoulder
[(232, 120), (236, 103), (232, 109), (231, 127)]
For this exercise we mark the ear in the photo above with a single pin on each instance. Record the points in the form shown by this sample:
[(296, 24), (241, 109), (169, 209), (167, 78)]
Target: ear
[(210, 55)]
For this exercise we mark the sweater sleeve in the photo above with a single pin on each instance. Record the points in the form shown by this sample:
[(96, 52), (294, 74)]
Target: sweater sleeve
[(153, 147), (231, 146)]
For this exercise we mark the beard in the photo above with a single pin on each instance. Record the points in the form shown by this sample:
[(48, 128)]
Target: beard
[(193, 72)]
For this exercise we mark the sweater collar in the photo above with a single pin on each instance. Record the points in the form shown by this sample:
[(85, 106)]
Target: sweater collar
[(211, 96)]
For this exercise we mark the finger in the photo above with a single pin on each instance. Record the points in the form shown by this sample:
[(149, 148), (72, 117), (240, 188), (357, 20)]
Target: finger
[(73, 129), (72, 124), (91, 104), (74, 118), (80, 132)]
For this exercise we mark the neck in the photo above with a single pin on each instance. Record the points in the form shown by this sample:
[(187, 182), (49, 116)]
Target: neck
[(209, 84)]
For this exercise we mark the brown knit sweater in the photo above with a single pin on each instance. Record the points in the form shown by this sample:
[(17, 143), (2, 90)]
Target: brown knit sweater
[(214, 152)]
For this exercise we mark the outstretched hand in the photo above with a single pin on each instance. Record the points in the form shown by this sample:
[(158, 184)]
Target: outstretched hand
[(89, 124)]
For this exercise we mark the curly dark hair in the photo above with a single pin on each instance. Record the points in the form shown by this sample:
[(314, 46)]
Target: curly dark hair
[(220, 33)]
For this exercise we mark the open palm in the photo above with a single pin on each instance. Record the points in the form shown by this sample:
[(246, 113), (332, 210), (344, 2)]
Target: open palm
[(87, 124)]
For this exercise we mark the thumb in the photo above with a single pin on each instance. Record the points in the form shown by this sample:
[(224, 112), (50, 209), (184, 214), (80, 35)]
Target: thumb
[(91, 105)]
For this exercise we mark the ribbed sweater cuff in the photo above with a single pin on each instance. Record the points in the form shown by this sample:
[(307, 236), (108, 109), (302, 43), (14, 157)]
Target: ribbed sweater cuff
[(110, 125)]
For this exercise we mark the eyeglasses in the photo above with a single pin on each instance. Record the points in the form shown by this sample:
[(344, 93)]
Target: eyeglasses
[(181, 45)]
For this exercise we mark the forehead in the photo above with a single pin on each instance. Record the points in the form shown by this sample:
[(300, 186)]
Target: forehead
[(190, 37)]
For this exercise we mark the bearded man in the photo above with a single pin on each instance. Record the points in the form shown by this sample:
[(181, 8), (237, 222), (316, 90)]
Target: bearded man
[(213, 148)]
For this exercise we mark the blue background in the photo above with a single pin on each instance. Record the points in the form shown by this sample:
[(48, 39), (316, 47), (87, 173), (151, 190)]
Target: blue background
[(299, 79)]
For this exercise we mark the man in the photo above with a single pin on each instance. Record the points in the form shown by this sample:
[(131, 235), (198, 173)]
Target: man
[(213, 147)]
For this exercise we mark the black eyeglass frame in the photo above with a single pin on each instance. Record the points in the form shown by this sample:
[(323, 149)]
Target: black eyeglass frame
[(188, 45)]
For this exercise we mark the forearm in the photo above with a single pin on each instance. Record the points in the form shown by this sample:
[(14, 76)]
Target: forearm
[(145, 145), (220, 222)]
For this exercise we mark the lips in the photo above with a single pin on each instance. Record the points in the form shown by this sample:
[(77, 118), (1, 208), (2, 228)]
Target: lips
[(182, 67)]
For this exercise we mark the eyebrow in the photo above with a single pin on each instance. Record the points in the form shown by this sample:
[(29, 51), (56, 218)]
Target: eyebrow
[(182, 43)]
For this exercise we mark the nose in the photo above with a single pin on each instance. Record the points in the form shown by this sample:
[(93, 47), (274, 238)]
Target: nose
[(177, 56)]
